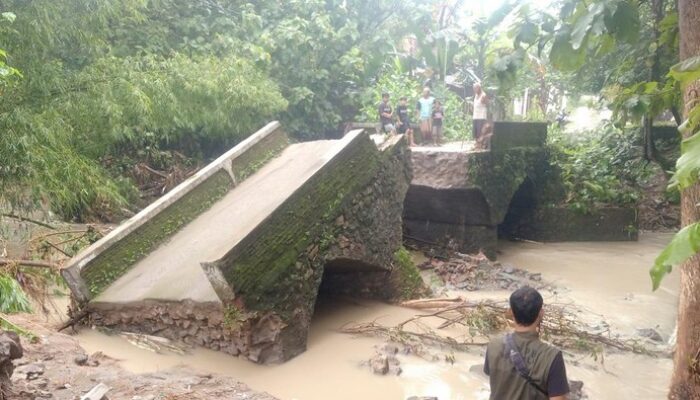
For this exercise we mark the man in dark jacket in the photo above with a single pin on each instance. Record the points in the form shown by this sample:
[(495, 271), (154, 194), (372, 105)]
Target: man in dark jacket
[(519, 365)]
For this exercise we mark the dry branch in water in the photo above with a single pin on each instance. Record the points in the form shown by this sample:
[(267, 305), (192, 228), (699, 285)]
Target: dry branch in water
[(561, 326)]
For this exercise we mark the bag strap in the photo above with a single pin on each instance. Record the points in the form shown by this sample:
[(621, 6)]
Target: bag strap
[(519, 362)]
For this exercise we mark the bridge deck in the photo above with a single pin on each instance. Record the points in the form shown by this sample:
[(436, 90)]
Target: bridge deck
[(173, 271)]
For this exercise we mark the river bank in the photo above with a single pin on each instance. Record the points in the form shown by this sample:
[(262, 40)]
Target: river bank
[(608, 280)]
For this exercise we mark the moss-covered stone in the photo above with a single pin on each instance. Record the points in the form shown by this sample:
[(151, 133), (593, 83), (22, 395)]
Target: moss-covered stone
[(405, 277), (264, 270), (252, 160), (499, 175), (561, 224), (120, 257)]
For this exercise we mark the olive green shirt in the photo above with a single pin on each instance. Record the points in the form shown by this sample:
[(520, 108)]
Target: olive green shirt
[(506, 382)]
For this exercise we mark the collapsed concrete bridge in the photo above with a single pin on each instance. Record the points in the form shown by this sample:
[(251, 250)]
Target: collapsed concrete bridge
[(465, 199), (232, 258)]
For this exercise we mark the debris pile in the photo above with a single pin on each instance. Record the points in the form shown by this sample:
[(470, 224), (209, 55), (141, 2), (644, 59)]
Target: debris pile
[(563, 325), (477, 272)]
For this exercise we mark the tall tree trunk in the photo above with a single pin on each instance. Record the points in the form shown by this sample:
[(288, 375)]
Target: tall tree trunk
[(685, 384)]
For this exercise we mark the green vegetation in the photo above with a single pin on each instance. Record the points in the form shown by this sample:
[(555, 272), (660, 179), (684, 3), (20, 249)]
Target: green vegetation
[(457, 123), (109, 86), (406, 277), (686, 243), (12, 297), (602, 168)]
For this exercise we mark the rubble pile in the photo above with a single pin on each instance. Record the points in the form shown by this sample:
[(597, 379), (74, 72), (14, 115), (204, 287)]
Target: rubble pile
[(477, 272)]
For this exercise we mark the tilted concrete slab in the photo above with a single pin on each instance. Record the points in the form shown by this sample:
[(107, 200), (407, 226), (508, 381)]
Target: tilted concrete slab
[(232, 259), (173, 271), (99, 265)]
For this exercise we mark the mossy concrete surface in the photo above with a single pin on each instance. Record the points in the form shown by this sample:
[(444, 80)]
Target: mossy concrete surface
[(96, 267), (457, 199), (350, 209), (561, 224), (262, 248)]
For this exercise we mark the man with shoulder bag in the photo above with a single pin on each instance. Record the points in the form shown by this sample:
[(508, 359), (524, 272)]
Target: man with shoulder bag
[(519, 365)]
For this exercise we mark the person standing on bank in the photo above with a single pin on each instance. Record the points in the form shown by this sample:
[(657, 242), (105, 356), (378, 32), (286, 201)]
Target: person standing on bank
[(438, 115), (404, 121), (424, 107), (480, 110), (385, 115), (519, 365)]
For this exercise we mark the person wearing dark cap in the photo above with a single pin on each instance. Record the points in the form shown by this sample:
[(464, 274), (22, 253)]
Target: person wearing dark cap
[(404, 121), (386, 115), (519, 365)]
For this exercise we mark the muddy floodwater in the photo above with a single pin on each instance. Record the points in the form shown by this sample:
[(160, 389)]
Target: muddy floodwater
[(608, 280)]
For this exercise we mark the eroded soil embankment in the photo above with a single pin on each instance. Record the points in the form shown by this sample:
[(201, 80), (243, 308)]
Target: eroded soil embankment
[(56, 367)]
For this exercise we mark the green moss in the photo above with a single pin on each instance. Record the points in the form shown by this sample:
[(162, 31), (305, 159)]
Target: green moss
[(269, 269), (235, 318), (499, 175), (252, 160), (406, 280), (112, 263)]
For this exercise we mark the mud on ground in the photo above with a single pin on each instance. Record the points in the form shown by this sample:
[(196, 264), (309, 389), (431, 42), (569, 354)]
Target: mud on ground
[(56, 367)]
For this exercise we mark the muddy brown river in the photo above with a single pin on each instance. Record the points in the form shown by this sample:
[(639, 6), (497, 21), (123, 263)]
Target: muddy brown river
[(609, 280)]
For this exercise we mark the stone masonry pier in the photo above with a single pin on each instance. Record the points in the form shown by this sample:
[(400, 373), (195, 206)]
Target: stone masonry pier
[(464, 199), (458, 198), (232, 259)]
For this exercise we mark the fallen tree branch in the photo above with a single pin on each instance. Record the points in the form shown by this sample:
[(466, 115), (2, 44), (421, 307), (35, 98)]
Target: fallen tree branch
[(561, 325), (25, 219), (29, 263), (60, 250), (74, 320)]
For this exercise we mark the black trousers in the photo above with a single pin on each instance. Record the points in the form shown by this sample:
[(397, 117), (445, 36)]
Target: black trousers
[(478, 125)]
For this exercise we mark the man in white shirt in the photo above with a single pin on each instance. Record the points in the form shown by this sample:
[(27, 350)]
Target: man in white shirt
[(480, 115), (424, 108)]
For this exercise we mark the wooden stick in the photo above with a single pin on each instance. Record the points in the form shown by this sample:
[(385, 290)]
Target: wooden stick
[(28, 263), (25, 219), (58, 233), (74, 320), (58, 249)]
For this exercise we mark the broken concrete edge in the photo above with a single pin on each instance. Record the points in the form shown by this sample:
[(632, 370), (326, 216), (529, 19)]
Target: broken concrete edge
[(73, 271), (275, 273), (223, 282)]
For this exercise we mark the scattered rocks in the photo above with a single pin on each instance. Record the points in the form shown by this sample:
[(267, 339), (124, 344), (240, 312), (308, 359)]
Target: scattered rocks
[(30, 371), (651, 334), (384, 361), (10, 349), (379, 364), (477, 272), (576, 391)]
